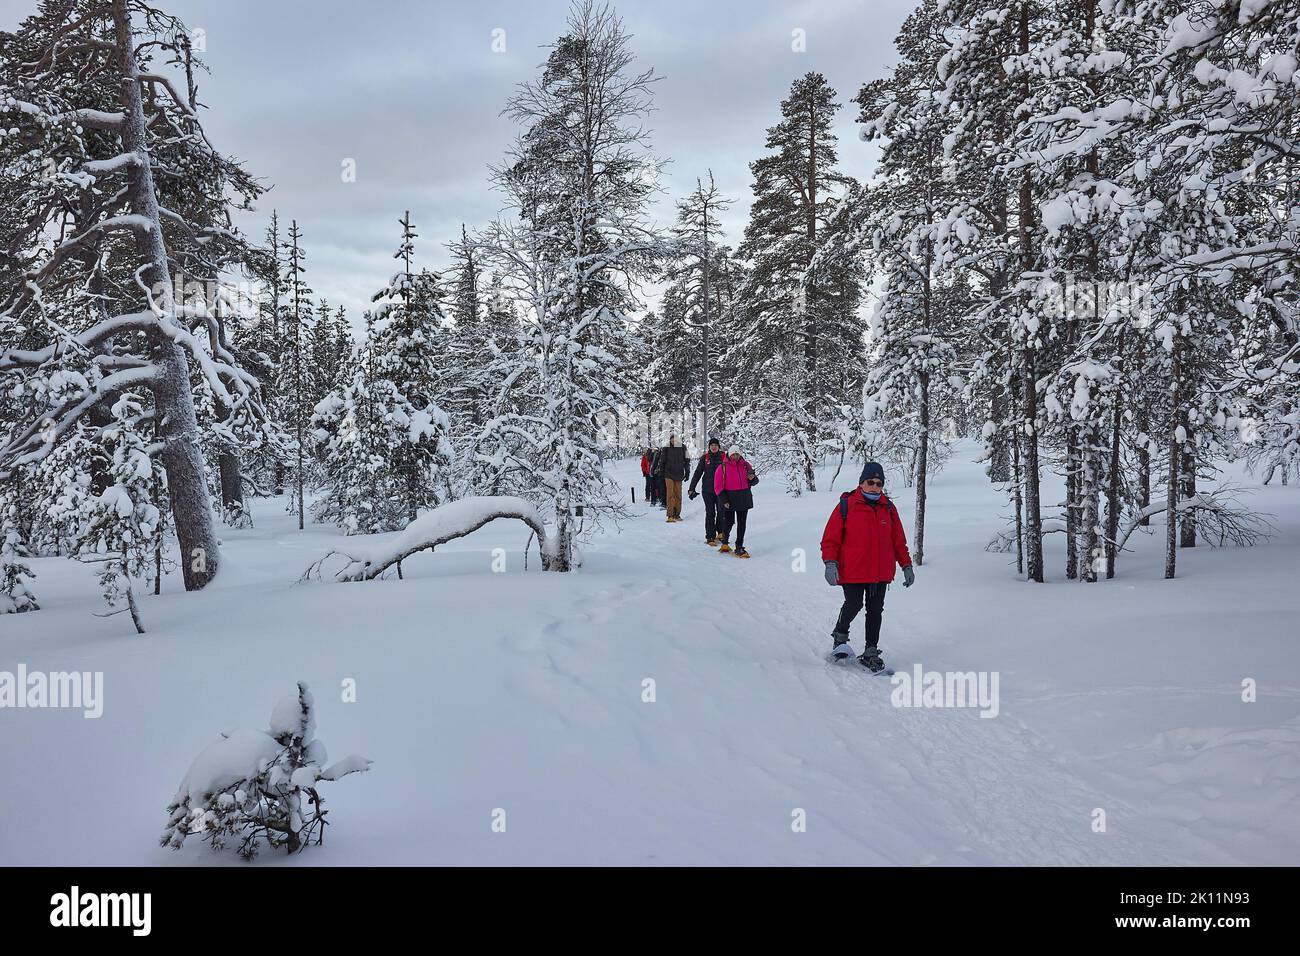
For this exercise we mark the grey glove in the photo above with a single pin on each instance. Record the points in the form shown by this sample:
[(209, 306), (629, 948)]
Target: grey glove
[(909, 576), (832, 573)]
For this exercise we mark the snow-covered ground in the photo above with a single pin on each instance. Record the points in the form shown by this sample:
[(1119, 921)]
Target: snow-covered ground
[(523, 691)]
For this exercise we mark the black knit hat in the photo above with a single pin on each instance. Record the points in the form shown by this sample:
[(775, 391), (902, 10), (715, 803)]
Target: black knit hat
[(872, 469), (713, 441)]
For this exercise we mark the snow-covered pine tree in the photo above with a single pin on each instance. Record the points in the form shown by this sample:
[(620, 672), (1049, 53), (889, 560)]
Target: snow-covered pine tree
[(987, 84), (697, 234), (90, 119), (798, 322), (579, 178), (917, 328)]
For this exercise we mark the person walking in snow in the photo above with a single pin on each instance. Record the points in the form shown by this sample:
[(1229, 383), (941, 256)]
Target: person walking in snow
[(646, 459), (731, 482), (862, 544), (672, 464), (657, 477), (708, 464)]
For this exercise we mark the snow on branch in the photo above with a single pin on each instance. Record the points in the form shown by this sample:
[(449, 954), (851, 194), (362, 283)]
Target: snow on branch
[(453, 520), (1218, 517)]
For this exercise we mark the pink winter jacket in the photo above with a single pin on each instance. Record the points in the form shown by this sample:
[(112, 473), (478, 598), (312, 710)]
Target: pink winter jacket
[(731, 476)]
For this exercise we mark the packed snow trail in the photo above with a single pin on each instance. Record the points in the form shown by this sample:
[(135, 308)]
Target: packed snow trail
[(976, 780), (527, 693)]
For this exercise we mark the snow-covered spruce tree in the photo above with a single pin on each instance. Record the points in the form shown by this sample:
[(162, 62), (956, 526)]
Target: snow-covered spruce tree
[(674, 349), (331, 349), (261, 788), (579, 180), (15, 574), (263, 342), (408, 366), (90, 120), (799, 322), (297, 372), (370, 438), (466, 394)]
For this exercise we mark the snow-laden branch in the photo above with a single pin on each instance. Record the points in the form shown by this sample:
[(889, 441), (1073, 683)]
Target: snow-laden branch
[(453, 520), (1216, 511), (87, 340)]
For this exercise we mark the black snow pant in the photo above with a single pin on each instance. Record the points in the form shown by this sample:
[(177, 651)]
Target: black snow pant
[(855, 596), (710, 516), (731, 518), (649, 489), (661, 491)]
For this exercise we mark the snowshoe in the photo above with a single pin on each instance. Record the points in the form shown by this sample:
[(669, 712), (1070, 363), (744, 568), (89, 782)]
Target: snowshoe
[(842, 650), (724, 548), (871, 660), (741, 552), (712, 542)]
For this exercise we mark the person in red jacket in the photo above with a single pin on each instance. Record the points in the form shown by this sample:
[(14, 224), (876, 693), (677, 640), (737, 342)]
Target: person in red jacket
[(862, 544)]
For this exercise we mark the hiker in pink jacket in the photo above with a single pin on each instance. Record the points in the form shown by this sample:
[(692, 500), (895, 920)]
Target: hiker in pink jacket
[(732, 481)]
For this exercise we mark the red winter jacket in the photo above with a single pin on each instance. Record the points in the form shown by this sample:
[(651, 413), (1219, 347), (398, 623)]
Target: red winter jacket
[(869, 544), (645, 465)]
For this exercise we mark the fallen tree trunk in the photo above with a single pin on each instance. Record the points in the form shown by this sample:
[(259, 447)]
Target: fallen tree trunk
[(446, 523)]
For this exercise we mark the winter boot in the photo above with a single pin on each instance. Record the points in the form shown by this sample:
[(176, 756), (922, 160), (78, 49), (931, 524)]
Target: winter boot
[(841, 650), (724, 548), (871, 660), (712, 542), (740, 551)]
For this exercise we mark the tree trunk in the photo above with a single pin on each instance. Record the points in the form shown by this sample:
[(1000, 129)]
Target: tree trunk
[(174, 403), (1016, 499), (1187, 465), (1175, 456), (999, 455), (922, 463), (232, 480), (1091, 491), (1113, 477), (1029, 425), (1073, 472)]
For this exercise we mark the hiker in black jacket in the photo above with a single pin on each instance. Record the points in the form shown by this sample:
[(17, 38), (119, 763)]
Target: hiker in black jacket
[(708, 463), (673, 464)]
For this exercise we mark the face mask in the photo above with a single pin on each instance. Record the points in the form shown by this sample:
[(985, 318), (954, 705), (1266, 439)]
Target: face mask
[(871, 495)]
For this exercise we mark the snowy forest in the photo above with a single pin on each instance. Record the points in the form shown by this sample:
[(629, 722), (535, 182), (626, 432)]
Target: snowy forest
[(1072, 271)]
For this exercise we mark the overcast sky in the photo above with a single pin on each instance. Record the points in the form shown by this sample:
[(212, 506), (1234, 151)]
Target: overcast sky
[(412, 91)]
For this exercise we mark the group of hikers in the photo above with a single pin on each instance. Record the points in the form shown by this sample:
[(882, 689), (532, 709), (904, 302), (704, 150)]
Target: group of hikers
[(862, 545), (726, 481)]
